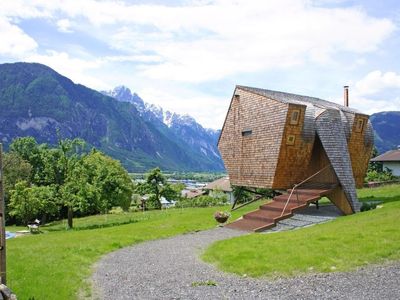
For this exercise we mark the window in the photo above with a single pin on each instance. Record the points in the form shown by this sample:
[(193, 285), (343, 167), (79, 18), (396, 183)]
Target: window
[(290, 139), (360, 125), (247, 132), (295, 117)]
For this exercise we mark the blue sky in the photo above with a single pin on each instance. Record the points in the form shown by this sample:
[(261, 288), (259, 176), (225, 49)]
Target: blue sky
[(187, 56)]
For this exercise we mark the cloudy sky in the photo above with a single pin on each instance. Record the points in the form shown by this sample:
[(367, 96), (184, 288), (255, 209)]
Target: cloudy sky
[(187, 56)]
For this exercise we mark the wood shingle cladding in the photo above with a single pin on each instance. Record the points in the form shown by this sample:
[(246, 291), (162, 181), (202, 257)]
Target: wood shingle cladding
[(275, 140), (252, 158)]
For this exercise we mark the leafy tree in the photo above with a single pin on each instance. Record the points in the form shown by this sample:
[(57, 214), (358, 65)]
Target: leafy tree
[(110, 179), (28, 149), (28, 203), (372, 165), (22, 206), (15, 169), (169, 193), (68, 151), (48, 200), (64, 177), (155, 181), (95, 185), (156, 186)]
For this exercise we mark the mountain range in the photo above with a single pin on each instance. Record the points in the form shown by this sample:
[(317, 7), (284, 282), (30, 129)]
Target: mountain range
[(386, 126), (37, 101)]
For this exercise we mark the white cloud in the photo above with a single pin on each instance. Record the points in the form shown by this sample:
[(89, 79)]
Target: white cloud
[(14, 42), (64, 25), (210, 40), (134, 58), (208, 110), (377, 81), (222, 38), (375, 92), (374, 105), (74, 68)]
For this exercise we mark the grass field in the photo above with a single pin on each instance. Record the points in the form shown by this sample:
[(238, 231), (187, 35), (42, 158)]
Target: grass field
[(55, 264), (343, 244)]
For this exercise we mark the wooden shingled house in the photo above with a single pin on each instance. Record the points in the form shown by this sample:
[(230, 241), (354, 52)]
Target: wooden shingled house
[(307, 146)]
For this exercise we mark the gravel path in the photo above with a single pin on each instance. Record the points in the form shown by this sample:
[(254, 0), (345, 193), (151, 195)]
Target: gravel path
[(171, 269)]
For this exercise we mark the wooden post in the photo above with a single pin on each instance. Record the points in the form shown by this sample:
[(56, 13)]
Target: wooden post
[(2, 224)]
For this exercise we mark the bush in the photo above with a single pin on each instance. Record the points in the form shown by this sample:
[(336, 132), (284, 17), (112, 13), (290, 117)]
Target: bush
[(202, 201), (374, 175), (369, 205)]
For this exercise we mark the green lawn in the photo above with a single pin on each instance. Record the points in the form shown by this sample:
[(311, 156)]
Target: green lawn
[(55, 264), (343, 244)]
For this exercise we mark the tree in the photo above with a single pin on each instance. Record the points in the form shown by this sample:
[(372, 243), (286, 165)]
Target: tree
[(374, 165), (155, 180), (68, 158), (96, 184), (28, 203), (24, 207), (28, 149), (111, 180), (15, 169), (67, 177)]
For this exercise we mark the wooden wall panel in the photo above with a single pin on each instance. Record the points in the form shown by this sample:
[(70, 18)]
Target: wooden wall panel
[(340, 200), (251, 159), (294, 157), (360, 153)]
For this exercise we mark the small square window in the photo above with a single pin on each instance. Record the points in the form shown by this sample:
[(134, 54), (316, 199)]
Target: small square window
[(247, 132), (290, 139), (360, 125), (295, 117)]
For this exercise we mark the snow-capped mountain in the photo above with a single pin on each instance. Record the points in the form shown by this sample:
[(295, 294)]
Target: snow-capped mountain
[(198, 140)]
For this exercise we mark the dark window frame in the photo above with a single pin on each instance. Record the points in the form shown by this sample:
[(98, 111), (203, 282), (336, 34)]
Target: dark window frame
[(247, 132), (295, 117), (360, 125)]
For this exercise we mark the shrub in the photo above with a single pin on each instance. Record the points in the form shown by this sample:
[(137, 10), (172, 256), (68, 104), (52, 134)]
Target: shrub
[(202, 201), (374, 175), (369, 205)]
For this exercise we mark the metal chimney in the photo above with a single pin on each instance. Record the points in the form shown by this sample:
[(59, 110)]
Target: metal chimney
[(346, 95)]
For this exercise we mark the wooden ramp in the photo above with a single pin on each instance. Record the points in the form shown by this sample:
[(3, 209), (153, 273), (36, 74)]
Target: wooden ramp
[(269, 214)]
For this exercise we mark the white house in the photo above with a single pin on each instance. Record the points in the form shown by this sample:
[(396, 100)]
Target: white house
[(390, 160)]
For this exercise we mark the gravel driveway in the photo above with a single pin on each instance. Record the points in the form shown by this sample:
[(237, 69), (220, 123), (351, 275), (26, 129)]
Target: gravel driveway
[(171, 269)]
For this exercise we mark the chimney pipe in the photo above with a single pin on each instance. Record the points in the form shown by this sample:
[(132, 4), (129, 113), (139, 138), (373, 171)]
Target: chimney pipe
[(346, 95)]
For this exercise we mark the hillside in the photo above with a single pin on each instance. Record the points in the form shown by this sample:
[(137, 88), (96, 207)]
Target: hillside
[(387, 130), (35, 100)]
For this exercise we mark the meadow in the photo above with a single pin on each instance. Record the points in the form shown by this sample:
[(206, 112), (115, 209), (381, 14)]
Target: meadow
[(57, 263), (340, 245)]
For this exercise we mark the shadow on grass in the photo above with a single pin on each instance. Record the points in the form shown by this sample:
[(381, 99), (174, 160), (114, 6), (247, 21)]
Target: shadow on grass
[(383, 199), (93, 226)]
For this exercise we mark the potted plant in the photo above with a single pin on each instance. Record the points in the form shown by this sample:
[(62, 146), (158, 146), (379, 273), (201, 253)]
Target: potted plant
[(221, 216)]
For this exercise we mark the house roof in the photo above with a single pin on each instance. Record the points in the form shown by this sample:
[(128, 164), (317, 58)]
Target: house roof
[(297, 99), (222, 184), (392, 155), (192, 193)]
